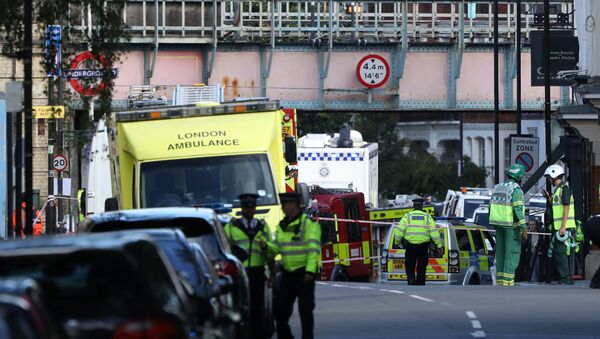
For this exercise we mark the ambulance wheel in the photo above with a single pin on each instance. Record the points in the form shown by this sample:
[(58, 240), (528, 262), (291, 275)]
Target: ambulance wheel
[(474, 280), (339, 274)]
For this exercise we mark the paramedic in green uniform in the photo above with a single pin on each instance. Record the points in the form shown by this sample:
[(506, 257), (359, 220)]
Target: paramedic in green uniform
[(507, 215)]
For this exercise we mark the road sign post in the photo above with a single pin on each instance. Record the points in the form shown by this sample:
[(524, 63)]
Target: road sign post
[(525, 150)]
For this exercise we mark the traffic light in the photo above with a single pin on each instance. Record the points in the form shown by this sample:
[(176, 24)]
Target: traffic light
[(53, 49)]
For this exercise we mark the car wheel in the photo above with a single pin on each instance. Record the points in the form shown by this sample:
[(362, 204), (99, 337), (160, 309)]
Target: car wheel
[(339, 274), (474, 280)]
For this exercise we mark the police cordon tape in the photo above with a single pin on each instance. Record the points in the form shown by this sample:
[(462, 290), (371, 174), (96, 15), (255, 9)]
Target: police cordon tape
[(395, 223), (387, 223)]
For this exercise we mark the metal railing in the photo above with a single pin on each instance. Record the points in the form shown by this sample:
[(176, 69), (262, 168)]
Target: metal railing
[(302, 21)]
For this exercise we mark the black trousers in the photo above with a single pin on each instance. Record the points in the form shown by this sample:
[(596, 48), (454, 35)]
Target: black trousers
[(256, 277), (290, 287), (416, 255)]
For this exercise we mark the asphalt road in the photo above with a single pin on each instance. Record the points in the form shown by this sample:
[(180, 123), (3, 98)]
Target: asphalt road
[(361, 310)]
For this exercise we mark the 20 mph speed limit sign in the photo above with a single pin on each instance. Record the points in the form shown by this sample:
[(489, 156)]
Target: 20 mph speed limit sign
[(373, 71), (59, 163)]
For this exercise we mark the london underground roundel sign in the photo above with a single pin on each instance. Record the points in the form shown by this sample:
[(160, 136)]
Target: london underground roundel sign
[(373, 71), (78, 86)]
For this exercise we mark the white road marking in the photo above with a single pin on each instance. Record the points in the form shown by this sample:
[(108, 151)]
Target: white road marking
[(471, 315), (421, 298), (322, 283), (336, 285), (476, 324), (478, 334), (396, 291)]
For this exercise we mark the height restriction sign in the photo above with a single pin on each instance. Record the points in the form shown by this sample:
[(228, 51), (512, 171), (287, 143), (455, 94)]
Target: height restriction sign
[(525, 151), (373, 71)]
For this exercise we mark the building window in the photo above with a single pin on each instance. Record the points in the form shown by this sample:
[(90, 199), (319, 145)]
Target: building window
[(480, 152)]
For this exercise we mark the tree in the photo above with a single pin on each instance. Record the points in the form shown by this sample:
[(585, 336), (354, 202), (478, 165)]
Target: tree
[(402, 169), (107, 39)]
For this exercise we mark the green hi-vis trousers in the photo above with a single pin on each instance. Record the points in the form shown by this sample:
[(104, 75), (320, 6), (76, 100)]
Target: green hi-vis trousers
[(508, 253)]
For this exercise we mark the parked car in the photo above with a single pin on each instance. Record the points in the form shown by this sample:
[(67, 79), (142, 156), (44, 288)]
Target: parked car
[(209, 292), (22, 313), (114, 285), (468, 257), (199, 225)]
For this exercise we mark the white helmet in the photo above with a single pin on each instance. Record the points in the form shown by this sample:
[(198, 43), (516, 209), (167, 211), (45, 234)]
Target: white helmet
[(554, 171)]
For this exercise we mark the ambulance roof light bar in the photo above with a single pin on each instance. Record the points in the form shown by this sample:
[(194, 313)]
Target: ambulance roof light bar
[(197, 110)]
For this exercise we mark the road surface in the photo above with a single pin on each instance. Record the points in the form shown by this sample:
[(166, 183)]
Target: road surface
[(361, 310)]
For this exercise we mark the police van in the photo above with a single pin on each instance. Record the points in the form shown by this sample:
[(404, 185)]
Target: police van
[(468, 257)]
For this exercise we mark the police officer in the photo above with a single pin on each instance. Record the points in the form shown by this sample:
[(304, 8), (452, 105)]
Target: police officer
[(254, 237), (418, 229), (563, 223), (298, 239), (507, 215)]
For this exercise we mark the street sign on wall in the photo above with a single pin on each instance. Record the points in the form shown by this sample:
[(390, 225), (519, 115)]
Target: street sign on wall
[(373, 71), (48, 112), (525, 151)]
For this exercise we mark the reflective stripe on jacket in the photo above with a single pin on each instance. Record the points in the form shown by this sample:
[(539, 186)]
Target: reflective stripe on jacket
[(507, 208), (237, 235), (417, 227), (299, 244), (558, 209)]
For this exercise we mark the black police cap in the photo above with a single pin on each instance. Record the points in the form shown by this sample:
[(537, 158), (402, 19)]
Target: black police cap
[(418, 201), (248, 199), (290, 196)]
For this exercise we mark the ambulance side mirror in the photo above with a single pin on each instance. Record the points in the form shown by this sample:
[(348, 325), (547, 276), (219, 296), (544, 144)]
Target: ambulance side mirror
[(291, 152)]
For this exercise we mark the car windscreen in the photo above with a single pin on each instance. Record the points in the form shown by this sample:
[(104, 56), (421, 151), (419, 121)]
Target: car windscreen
[(197, 181), (471, 205), (86, 284), (191, 227), (182, 260), (210, 245)]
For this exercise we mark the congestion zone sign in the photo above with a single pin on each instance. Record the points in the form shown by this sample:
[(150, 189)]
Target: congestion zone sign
[(373, 71)]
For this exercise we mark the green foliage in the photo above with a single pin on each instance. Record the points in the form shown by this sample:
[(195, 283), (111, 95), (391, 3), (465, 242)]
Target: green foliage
[(402, 169), (107, 39)]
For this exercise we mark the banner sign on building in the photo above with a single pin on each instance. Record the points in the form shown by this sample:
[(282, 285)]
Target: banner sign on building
[(564, 56)]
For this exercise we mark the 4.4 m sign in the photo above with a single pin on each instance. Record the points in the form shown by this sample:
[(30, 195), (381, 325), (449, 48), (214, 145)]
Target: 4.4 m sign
[(373, 71)]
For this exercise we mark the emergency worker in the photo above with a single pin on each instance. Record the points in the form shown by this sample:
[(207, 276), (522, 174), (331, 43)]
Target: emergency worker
[(254, 237), (298, 240), (507, 216), (563, 223), (418, 229), (38, 225)]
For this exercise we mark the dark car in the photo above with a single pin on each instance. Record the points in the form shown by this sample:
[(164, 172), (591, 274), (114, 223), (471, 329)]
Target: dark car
[(113, 285), (209, 292), (199, 225), (22, 313)]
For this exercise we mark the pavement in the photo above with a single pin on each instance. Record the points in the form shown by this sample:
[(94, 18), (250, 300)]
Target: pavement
[(364, 310)]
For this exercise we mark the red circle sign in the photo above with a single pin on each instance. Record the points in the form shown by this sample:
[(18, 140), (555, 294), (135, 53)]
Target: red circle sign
[(59, 163), (373, 71), (526, 160), (79, 88)]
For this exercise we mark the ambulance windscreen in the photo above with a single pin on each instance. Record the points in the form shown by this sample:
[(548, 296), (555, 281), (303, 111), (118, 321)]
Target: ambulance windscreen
[(198, 181)]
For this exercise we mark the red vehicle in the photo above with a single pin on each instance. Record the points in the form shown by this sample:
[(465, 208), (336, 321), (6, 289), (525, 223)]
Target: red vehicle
[(346, 247)]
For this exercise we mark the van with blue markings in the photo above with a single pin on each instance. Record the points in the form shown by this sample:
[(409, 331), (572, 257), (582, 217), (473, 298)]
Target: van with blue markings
[(468, 257)]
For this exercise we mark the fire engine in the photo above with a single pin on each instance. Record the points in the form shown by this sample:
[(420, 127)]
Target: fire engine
[(347, 249)]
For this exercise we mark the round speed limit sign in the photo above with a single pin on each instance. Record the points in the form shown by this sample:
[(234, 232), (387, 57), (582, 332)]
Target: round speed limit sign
[(373, 71), (59, 163)]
